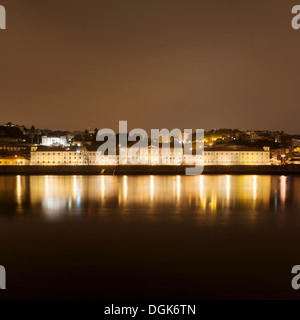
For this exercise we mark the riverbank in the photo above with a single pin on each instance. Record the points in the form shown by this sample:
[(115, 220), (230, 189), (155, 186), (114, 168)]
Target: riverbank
[(144, 170)]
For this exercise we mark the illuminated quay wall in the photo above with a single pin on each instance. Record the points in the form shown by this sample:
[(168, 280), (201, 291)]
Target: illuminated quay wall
[(73, 156)]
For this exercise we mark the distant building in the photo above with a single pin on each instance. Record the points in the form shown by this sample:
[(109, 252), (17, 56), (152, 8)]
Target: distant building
[(54, 141), (58, 156), (14, 161), (253, 136), (241, 157), (212, 156), (295, 143), (12, 147), (159, 156), (293, 160)]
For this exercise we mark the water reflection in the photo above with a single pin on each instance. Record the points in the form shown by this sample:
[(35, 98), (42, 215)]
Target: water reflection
[(55, 196), (283, 189), (19, 192)]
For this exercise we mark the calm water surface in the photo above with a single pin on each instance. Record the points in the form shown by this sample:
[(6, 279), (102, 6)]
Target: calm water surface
[(203, 237)]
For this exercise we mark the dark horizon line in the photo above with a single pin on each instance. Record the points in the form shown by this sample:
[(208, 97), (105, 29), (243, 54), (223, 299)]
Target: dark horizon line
[(205, 130)]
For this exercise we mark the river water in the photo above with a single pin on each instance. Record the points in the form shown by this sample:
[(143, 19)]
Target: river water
[(150, 237)]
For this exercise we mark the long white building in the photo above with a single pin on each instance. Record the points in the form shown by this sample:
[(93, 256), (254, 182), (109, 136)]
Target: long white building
[(243, 157), (80, 156), (59, 156)]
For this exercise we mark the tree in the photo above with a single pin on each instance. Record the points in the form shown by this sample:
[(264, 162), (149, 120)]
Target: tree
[(32, 134), (96, 131), (86, 135)]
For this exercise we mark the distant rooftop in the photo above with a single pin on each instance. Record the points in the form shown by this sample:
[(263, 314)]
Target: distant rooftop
[(232, 148), (12, 157), (58, 148), (56, 134)]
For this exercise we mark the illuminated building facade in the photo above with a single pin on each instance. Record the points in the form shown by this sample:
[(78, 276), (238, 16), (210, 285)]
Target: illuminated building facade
[(11, 148), (155, 156), (49, 156), (160, 156), (93, 159), (54, 141), (14, 161), (244, 157)]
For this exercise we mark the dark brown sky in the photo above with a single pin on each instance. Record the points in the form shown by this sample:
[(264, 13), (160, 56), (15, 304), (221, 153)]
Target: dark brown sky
[(68, 64)]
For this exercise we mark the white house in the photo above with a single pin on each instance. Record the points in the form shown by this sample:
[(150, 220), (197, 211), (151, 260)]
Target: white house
[(54, 141)]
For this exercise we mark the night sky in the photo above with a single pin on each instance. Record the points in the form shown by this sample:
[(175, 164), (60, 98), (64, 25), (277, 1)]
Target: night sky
[(68, 64)]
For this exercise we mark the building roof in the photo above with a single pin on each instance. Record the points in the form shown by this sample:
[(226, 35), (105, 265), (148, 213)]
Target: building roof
[(13, 145), (12, 158), (56, 134), (232, 148), (57, 149)]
